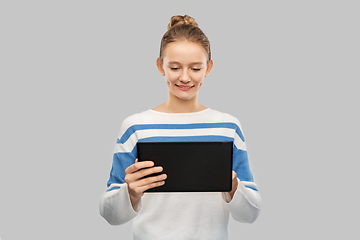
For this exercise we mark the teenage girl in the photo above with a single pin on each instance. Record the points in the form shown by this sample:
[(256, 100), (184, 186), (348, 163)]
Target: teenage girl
[(184, 61)]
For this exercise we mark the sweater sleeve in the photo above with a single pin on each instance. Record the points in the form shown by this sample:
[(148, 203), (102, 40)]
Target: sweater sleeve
[(245, 205), (115, 205)]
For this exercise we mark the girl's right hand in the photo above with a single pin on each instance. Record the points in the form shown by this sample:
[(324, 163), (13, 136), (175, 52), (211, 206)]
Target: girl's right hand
[(137, 185)]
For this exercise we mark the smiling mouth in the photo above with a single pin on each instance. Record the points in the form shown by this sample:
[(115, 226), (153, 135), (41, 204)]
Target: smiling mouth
[(183, 87)]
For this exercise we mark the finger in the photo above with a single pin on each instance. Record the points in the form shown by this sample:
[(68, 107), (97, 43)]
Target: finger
[(137, 166), (151, 180), (142, 189), (147, 171), (141, 185), (138, 175), (234, 175)]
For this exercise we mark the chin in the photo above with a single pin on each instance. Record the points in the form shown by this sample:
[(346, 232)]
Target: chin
[(186, 98), (183, 96)]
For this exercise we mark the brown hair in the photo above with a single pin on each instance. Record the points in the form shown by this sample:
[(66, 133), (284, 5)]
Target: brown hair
[(184, 28)]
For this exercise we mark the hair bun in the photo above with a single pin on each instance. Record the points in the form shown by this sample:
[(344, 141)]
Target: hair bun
[(180, 20)]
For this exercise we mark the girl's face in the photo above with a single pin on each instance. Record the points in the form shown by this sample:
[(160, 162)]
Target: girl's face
[(184, 67)]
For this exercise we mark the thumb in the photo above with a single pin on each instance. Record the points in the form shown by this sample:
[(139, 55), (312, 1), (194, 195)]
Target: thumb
[(234, 175)]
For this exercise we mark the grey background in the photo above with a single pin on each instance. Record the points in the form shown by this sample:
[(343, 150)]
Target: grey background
[(71, 71)]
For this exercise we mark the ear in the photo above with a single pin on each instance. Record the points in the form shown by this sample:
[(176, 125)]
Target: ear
[(160, 67), (209, 67)]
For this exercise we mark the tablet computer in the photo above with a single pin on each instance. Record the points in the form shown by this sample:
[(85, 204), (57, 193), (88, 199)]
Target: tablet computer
[(190, 166)]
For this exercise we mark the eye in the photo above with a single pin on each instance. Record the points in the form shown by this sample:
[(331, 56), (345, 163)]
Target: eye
[(174, 68), (196, 69)]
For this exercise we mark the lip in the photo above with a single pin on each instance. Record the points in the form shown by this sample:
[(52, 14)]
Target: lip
[(184, 87)]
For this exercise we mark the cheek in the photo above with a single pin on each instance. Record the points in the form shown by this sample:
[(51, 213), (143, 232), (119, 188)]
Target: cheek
[(171, 77), (169, 81), (199, 80)]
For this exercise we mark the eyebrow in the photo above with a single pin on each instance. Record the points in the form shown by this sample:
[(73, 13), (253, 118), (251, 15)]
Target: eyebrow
[(193, 63)]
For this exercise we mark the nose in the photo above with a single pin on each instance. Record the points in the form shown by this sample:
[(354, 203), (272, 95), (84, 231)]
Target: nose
[(184, 77)]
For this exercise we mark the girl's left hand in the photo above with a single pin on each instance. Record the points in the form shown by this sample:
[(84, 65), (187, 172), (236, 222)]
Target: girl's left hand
[(235, 184)]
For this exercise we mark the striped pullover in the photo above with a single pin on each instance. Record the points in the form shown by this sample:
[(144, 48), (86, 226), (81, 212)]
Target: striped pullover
[(180, 215)]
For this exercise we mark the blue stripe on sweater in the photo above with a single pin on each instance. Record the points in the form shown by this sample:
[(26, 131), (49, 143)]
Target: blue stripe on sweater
[(207, 138), (241, 165), (121, 161), (135, 128), (253, 188), (114, 188)]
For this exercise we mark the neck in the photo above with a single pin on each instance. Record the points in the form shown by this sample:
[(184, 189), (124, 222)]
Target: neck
[(176, 105)]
